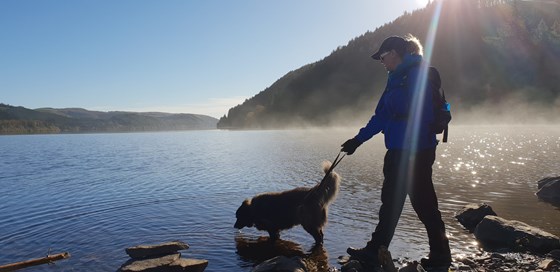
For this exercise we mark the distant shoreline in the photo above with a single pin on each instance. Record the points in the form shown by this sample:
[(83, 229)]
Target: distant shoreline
[(102, 132)]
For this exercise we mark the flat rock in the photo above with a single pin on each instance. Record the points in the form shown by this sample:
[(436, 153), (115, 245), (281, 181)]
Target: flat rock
[(470, 215), (188, 265), (150, 265), (495, 231), (147, 251)]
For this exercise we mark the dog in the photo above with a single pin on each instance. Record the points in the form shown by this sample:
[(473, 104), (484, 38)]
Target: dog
[(277, 211)]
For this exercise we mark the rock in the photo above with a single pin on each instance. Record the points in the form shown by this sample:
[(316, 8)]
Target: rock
[(147, 251), (472, 214), (549, 190), (547, 264), (352, 266), (554, 254), (545, 181), (343, 259), (188, 265), (283, 264), (410, 267), (496, 231), (149, 265)]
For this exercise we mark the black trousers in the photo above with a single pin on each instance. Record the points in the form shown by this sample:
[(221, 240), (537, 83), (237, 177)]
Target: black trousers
[(410, 173)]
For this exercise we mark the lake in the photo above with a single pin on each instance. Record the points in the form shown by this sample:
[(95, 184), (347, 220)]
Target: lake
[(93, 195)]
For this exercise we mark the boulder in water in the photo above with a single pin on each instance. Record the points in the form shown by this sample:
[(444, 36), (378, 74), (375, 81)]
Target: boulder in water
[(470, 215), (495, 231), (549, 190)]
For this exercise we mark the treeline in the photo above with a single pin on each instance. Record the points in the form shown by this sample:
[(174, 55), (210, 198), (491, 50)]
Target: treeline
[(26, 127), (20, 120), (486, 51)]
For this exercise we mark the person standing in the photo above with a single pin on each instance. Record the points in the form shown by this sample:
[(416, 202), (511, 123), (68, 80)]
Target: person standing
[(404, 115)]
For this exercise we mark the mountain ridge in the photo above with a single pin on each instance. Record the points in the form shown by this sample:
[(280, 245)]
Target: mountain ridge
[(21, 120), (489, 53)]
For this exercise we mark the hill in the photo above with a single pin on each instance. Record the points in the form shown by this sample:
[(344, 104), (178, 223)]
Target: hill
[(493, 55), (20, 120)]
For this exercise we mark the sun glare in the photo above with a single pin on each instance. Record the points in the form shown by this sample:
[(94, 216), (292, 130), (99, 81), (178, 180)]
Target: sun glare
[(422, 3)]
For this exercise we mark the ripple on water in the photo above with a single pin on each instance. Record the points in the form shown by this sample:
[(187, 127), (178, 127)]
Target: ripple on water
[(94, 195)]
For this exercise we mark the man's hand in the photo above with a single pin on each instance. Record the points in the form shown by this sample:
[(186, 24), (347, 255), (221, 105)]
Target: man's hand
[(350, 146)]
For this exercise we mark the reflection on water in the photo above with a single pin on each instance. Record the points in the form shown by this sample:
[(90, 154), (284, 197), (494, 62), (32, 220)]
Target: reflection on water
[(95, 195)]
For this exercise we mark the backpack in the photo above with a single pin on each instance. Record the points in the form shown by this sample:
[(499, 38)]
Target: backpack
[(442, 109)]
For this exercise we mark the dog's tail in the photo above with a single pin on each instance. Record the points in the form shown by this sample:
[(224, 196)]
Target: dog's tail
[(325, 192)]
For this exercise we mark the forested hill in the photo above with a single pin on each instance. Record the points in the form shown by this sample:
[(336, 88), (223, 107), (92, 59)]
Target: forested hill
[(20, 120), (490, 53)]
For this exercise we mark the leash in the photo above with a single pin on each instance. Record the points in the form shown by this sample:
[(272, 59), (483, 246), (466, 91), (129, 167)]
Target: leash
[(333, 165)]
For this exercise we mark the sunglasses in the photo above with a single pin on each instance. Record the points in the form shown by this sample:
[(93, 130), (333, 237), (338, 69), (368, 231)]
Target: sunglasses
[(382, 56)]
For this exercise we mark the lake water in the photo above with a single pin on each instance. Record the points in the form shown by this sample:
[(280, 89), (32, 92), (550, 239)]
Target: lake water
[(93, 195)]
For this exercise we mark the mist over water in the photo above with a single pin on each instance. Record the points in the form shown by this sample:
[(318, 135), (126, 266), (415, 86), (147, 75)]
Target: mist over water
[(96, 194)]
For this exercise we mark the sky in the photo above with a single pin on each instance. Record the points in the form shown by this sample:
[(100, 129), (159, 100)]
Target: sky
[(188, 56)]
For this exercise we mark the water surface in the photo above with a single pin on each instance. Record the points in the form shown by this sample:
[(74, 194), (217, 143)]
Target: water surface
[(96, 194)]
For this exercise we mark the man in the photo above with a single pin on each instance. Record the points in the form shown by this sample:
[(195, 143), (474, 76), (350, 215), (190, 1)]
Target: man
[(404, 114)]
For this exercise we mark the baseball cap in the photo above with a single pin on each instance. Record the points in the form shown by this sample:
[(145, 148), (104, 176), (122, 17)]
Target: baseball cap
[(394, 42)]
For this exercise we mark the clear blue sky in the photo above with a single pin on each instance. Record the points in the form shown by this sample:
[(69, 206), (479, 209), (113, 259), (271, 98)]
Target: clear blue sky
[(190, 56)]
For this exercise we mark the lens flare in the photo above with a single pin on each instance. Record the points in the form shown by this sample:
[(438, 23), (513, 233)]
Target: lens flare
[(413, 126)]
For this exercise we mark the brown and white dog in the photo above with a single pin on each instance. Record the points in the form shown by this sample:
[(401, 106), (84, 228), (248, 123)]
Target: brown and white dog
[(277, 211)]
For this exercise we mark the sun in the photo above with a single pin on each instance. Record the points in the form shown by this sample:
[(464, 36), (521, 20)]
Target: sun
[(422, 3)]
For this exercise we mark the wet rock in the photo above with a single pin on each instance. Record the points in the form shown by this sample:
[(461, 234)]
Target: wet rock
[(283, 264), (161, 258), (549, 190), (148, 265), (496, 231), (472, 214), (188, 265), (147, 251)]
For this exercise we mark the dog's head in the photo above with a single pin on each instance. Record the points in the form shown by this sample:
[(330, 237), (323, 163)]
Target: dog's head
[(244, 215)]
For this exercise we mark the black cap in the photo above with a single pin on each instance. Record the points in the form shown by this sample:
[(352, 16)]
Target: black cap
[(395, 42)]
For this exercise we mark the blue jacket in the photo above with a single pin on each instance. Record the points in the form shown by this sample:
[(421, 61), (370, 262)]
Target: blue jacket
[(404, 112)]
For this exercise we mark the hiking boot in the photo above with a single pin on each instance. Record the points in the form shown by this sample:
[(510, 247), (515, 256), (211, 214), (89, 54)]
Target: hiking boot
[(436, 264), (367, 267)]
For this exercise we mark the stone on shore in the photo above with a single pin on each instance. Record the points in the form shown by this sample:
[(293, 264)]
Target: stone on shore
[(549, 190), (148, 265), (470, 215), (188, 265), (547, 264), (161, 258), (147, 251), (282, 263), (495, 231)]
